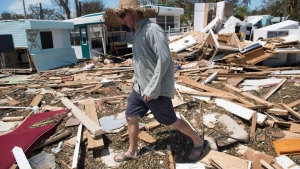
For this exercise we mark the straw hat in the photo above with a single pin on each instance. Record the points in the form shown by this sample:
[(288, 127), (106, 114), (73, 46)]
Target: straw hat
[(112, 16)]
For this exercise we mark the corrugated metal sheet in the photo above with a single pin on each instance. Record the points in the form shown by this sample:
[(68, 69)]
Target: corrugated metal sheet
[(54, 59), (17, 29)]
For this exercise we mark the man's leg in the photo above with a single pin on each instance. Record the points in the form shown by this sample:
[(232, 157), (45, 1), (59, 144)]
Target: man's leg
[(184, 128), (133, 131)]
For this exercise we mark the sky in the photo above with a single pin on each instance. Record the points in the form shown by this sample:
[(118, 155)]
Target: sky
[(17, 5)]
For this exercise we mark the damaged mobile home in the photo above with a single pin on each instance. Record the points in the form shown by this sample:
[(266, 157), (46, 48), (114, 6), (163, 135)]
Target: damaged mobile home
[(35, 45)]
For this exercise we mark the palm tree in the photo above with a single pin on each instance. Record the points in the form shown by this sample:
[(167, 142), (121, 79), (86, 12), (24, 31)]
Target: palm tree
[(246, 2), (277, 9)]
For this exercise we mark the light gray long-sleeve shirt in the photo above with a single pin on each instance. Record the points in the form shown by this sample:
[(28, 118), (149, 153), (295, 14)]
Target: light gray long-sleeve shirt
[(152, 61)]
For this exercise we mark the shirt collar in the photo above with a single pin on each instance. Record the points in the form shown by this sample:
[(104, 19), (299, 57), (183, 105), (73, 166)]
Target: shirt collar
[(141, 22)]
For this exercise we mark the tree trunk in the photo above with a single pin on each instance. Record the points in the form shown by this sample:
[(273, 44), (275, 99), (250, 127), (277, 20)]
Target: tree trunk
[(64, 4), (77, 8)]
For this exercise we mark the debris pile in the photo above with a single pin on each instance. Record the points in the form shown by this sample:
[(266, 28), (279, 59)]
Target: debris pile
[(247, 111)]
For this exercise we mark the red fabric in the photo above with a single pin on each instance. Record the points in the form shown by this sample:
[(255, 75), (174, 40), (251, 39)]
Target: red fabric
[(25, 137)]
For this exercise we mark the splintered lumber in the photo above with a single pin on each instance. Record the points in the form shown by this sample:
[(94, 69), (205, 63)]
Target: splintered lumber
[(290, 147), (293, 104), (90, 111), (94, 88), (94, 128), (17, 118), (221, 95), (146, 137), (191, 82), (295, 128), (36, 100), (250, 96), (77, 146), (243, 75), (254, 156), (171, 159), (277, 111), (72, 141), (253, 125), (274, 89), (296, 114), (214, 164), (21, 158), (224, 160), (240, 111), (265, 164), (53, 139), (152, 125)]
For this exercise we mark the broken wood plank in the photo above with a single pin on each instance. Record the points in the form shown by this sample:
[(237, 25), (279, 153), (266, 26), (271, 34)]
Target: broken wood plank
[(17, 118), (214, 164), (296, 114), (274, 89), (72, 141), (36, 100), (250, 96), (94, 88), (220, 95), (90, 111), (146, 137), (77, 146), (93, 127), (295, 128), (191, 82), (265, 164), (171, 159), (253, 125), (224, 160), (280, 112), (240, 111), (152, 125), (53, 139), (293, 104)]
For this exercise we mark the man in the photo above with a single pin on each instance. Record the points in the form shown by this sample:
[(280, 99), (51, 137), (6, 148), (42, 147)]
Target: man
[(153, 81)]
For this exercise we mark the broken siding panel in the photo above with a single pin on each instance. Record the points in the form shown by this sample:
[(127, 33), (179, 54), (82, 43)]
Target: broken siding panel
[(54, 59), (17, 30), (57, 38)]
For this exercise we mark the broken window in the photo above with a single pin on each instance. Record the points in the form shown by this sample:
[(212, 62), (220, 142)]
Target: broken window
[(46, 40)]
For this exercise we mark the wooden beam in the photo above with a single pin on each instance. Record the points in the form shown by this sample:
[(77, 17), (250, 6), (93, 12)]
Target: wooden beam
[(93, 127), (53, 139), (220, 95), (280, 112), (250, 96), (90, 111), (293, 104), (77, 146), (94, 88), (171, 159), (146, 137), (152, 125), (17, 118), (253, 125), (225, 160), (296, 114), (274, 89), (191, 82), (36, 100)]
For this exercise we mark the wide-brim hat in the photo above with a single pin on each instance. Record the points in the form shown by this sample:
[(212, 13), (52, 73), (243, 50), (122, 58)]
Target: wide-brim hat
[(112, 16)]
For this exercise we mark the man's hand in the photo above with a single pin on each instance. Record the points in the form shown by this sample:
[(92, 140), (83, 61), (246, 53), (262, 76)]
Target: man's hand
[(131, 85), (146, 98)]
